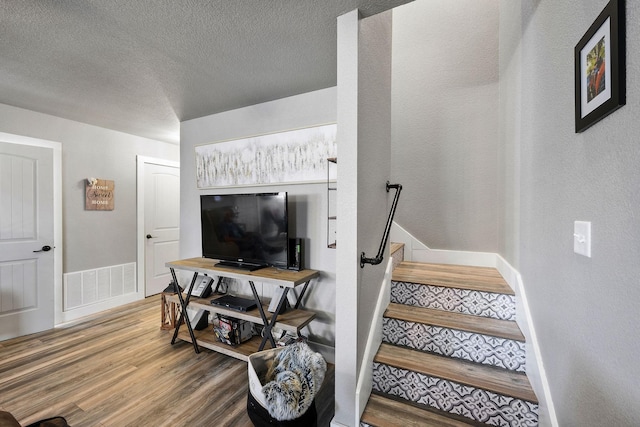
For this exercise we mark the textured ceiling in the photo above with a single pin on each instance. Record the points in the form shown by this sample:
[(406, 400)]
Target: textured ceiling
[(143, 66)]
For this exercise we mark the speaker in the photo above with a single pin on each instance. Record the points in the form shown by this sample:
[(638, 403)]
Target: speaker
[(296, 254)]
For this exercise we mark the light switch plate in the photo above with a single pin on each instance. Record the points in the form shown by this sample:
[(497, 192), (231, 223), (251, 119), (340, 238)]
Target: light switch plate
[(582, 238)]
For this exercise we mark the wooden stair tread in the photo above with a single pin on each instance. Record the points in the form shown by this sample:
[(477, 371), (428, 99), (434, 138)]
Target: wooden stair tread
[(384, 412), (508, 383), (466, 322), (394, 247), (485, 279)]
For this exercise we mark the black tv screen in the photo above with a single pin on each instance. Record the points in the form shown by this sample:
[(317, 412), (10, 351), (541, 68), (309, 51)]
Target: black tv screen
[(247, 231)]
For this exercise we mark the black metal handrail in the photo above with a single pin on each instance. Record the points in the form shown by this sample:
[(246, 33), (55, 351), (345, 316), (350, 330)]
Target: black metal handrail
[(385, 236)]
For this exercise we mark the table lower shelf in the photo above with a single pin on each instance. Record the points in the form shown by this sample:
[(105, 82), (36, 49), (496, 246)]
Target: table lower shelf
[(291, 320), (205, 338)]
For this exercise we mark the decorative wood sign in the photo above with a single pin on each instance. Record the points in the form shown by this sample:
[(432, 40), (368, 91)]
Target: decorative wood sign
[(99, 195)]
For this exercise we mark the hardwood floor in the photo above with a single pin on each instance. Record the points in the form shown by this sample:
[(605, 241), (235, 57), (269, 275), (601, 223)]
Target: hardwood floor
[(119, 369)]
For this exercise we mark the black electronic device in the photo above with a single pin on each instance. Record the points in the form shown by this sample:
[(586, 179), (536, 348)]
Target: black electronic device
[(202, 287), (199, 319), (172, 288), (296, 254), (247, 231), (235, 303)]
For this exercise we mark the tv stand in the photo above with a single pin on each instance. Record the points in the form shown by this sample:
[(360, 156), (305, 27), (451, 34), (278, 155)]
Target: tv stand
[(292, 320), (240, 265)]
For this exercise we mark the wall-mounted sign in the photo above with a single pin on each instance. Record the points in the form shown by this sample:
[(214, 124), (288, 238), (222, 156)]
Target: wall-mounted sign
[(99, 195)]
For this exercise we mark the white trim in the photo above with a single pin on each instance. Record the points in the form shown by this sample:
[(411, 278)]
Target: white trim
[(57, 211), (419, 252), (141, 161), (95, 295), (365, 380), (88, 310), (535, 366)]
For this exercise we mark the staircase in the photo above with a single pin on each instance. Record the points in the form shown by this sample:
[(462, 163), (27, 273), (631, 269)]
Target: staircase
[(452, 353)]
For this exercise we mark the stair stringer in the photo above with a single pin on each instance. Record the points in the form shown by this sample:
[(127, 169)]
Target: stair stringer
[(417, 251), (535, 366), (364, 384)]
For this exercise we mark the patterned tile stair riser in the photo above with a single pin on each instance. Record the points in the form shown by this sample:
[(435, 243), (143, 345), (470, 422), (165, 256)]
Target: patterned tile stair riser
[(479, 348), (476, 404), (478, 303)]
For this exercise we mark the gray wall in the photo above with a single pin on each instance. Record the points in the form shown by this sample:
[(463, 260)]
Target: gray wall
[(510, 119), (307, 202), (373, 153), (584, 309), (445, 122), (92, 239)]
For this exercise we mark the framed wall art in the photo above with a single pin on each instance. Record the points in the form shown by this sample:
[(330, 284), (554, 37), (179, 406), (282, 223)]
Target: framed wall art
[(295, 156), (600, 75)]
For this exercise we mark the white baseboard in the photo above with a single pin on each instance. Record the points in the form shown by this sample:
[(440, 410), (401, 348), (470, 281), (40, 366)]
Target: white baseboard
[(419, 252), (535, 366), (88, 310)]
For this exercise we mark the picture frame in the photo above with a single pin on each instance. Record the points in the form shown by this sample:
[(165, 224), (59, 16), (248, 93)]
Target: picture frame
[(294, 156), (600, 67)]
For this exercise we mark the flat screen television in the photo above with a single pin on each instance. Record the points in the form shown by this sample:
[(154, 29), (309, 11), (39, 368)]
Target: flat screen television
[(247, 231)]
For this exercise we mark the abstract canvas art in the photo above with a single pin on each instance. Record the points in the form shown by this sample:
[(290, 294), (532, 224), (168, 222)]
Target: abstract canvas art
[(295, 156)]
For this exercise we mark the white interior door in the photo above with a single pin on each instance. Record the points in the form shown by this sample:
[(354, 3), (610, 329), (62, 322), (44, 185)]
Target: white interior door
[(26, 240), (161, 224)]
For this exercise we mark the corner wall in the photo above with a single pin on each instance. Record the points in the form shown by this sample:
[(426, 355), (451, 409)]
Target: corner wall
[(445, 122), (307, 202), (584, 309)]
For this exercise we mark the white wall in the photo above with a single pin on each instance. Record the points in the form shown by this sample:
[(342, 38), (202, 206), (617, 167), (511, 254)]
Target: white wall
[(364, 133), (307, 202), (445, 122), (92, 239), (584, 309)]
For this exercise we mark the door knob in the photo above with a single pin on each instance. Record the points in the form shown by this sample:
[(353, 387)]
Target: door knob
[(149, 236), (45, 248)]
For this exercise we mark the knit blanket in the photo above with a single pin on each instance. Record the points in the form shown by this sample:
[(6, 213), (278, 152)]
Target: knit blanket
[(294, 378)]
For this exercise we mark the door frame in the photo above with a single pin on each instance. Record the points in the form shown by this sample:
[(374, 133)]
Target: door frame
[(56, 147), (141, 241)]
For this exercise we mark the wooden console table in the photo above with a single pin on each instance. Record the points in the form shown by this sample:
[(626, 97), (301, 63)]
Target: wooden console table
[(292, 320)]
